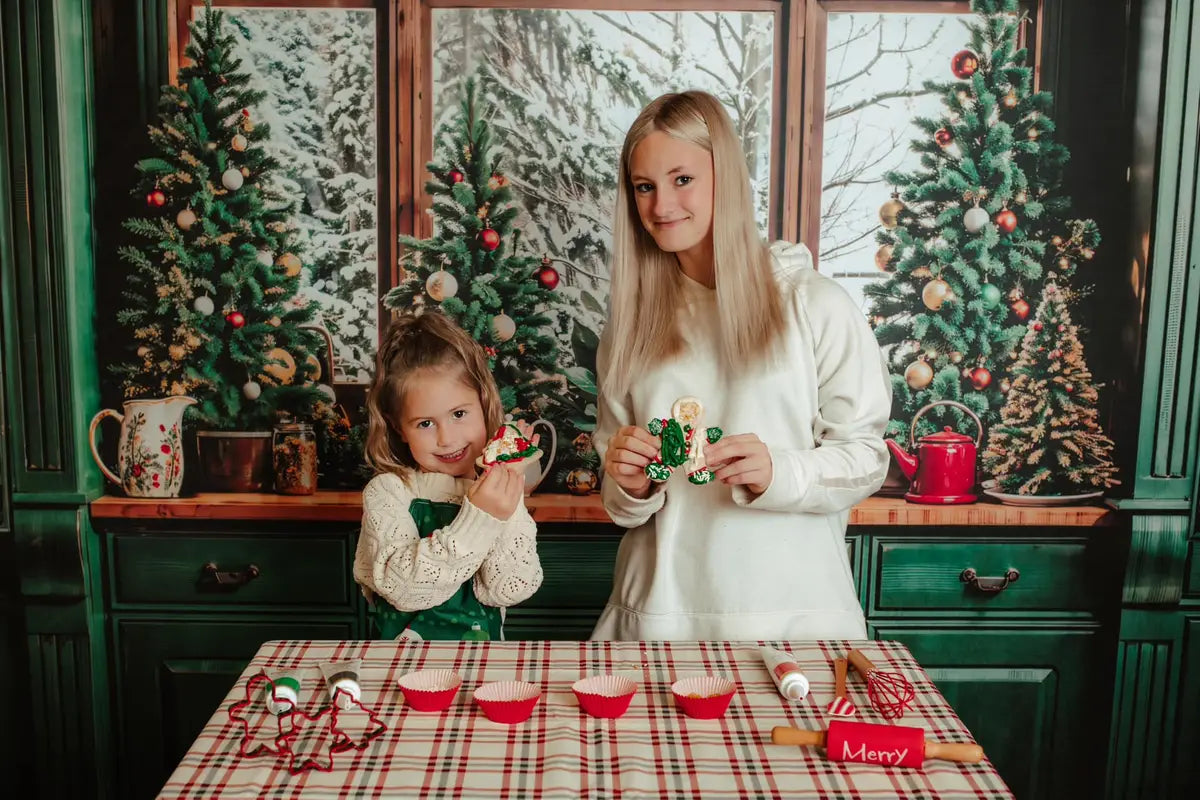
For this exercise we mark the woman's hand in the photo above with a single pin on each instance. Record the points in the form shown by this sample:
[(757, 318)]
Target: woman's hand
[(741, 460), (629, 451), (498, 491)]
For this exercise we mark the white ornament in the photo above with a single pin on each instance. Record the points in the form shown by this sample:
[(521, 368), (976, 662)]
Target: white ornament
[(252, 390), (185, 219), (975, 219), (232, 179), (327, 390), (441, 284), (504, 327), (203, 305), (265, 258)]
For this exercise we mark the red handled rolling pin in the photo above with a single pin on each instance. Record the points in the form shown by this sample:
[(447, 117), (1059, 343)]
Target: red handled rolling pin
[(871, 743)]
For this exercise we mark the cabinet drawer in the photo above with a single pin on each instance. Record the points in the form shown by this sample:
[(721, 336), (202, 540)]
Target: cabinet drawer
[(232, 570), (1053, 575)]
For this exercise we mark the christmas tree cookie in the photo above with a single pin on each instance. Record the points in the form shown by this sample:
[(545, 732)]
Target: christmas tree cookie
[(679, 445), (508, 446)]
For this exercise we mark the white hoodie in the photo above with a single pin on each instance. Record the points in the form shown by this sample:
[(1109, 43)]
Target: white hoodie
[(712, 561)]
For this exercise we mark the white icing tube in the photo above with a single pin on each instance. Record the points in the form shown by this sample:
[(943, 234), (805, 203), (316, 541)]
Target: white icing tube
[(343, 676), (284, 696), (786, 673)]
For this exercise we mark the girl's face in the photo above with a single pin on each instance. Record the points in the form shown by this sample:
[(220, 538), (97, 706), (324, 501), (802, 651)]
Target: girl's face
[(442, 422), (672, 183)]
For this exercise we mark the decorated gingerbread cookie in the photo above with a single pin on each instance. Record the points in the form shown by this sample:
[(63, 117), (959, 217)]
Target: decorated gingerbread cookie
[(508, 446), (679, 444)]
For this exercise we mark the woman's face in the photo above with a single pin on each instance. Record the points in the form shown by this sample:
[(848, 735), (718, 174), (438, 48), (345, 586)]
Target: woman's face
[(672, 184)]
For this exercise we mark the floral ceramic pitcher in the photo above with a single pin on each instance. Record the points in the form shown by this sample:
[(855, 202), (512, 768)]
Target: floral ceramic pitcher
[(150, 448)]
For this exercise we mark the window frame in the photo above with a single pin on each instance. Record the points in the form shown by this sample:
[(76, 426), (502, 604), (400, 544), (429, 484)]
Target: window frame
[(404, 96)]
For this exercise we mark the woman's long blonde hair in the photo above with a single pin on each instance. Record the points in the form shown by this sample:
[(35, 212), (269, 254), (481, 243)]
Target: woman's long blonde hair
[(416, 342), (646, 284)]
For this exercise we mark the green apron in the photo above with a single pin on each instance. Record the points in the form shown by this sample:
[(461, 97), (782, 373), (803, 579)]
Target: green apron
[(460, 617)]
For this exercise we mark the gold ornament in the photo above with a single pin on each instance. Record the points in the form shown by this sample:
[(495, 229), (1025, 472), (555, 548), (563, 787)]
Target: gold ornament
[(504, 327), (889, 212), (238, 142), (143, 351), (290, 264), (956, 357), (283, 372), (922, 272), (883, 257), (245, 172), (581, 481), (314, 367), (918, 374), (185, 219), (441, 284), (274, 322), (1032, 133), (936, 292)]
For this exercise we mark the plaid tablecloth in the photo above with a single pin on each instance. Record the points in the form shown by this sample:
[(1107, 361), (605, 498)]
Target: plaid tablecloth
[(652, 751)]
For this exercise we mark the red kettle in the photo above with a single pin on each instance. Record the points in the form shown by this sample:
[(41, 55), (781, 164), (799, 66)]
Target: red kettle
[(943, 470)]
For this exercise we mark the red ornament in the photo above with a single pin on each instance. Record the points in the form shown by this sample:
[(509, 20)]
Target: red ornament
[(1069, 388), (491, 239), (456, 176), (491, 351), (964, 64), (547, 276), (156, 198), (1020, 308), (943, 137), (980, 378), (1037, 326), (1006, 221), (245, 112), (235, 319)]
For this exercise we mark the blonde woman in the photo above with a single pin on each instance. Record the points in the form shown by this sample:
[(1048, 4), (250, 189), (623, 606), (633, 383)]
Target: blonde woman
[(780, 358), (441, 552)]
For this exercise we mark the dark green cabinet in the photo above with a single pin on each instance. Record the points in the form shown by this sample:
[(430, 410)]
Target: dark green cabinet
[(1027, 694)]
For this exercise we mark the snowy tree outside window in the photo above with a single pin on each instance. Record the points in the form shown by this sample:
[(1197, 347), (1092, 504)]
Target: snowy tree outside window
[(562, 87), (876, 65), (317, 67)]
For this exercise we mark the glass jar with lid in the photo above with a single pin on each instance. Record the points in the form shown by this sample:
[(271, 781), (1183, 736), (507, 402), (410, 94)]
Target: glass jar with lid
[(294, 451)]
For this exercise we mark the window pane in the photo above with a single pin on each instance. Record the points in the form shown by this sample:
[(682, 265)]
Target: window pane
[(317, 67), (565, 86), (876, 66)]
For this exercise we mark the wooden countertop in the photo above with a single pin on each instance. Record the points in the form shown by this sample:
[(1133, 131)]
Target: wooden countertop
[(347, 507)]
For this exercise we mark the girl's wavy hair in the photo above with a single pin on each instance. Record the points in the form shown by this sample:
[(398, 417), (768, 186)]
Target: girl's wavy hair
[(413, 343)]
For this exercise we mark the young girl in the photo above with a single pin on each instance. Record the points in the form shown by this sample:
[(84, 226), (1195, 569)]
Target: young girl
[(781, 360), (441, 553)]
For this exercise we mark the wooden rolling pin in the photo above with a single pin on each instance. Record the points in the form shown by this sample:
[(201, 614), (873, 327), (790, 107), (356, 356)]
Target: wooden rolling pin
[(870, 743)]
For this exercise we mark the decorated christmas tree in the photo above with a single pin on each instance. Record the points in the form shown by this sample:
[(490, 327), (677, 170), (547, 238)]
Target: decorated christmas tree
[(212, 305), (970, 235), (1049, 441), (473, 265)]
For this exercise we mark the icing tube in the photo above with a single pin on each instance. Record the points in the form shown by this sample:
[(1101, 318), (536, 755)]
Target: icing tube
[(282, 695), (342, 676), (786, 673)]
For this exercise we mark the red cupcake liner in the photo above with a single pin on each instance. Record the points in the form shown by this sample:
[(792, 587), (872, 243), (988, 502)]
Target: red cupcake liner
[(508, 702), (430, 689), (704, 697), (604, 696)]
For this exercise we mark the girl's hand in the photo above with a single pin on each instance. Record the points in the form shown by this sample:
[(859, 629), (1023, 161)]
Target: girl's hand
[(741, 460), (629, 451), (498, 491)]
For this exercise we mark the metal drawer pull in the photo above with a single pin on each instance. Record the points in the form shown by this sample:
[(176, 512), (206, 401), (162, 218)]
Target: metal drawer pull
[(231, 578), (989, 585)]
